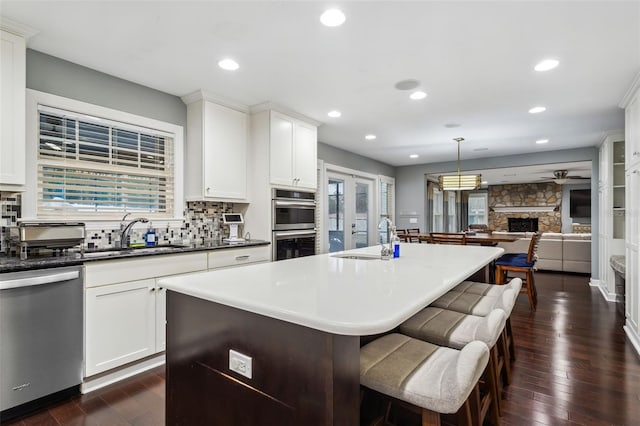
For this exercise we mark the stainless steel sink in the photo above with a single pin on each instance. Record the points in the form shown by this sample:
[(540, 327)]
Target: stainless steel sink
[(131, 250), (358, 256)]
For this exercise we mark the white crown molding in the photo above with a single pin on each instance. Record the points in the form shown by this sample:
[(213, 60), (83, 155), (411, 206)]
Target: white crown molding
[(200, 95), (633, 89), (17, 28), (266, 106), (612, 136)]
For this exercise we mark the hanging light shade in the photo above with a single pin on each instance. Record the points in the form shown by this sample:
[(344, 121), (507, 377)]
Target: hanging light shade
[(459, 182)]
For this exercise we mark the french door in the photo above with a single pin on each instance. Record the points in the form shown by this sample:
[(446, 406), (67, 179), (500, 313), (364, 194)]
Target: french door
[(350, 219)]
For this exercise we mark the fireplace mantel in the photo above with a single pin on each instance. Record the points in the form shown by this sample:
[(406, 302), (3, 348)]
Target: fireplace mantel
[(521, 209)]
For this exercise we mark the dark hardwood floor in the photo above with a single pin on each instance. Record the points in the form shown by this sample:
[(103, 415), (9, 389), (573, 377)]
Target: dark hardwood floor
[(573, 367)]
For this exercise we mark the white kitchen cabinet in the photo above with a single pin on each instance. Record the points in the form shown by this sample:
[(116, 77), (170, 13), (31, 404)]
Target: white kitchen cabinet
[(125, 308), (216, 154), (632, 131), (120, 324), (12, 112), (631, 103), (238, 256), (293, 152), (612, 209)]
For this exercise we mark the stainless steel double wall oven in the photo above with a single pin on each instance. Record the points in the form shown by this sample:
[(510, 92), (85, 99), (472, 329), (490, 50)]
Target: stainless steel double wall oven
[(293, 224)]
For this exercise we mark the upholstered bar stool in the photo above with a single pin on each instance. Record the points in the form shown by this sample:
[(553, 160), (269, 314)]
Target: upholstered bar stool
[(479, 305), (455, 330), (496, 290), (431, 379)]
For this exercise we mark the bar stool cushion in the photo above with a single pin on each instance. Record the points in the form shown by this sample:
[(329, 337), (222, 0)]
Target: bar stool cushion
[(476, 304), (420, 373), (485, 289), (454, 329), (515, 259)]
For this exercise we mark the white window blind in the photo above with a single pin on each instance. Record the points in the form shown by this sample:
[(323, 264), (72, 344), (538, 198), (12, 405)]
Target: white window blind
[(89, 166)]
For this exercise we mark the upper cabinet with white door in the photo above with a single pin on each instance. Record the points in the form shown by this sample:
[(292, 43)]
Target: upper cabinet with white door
[(293, 152), (216, 153), (12, 111)]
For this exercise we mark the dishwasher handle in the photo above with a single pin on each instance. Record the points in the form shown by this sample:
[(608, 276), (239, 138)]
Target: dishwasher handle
[(38, 280)]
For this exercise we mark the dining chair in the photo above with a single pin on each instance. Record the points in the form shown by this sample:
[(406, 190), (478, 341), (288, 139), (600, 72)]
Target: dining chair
[(521, 263), (412, 235), (479, 227), (448, 238)]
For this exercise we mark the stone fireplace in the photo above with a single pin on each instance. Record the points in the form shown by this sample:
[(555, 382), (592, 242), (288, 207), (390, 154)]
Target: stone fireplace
[(518, 224), (531, 202)]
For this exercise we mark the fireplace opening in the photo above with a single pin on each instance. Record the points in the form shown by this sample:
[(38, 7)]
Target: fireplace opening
[(523, 225)]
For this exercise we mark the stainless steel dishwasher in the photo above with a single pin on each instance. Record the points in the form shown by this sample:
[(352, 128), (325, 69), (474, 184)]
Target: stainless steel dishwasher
[(40, 336)]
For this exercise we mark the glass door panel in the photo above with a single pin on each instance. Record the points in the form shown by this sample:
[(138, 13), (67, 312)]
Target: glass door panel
[(362, 219), (336, 219), (350, 212)]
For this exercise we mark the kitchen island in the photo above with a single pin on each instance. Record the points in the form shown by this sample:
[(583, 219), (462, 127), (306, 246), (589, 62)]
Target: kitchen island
[(299, 323)]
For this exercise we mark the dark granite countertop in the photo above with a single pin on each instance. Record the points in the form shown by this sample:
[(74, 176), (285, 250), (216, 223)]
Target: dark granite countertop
[(618, 264), (14, 264)]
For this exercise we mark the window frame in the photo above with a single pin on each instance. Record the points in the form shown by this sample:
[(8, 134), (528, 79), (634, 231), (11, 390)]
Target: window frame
[(35, 98), (485, 195)]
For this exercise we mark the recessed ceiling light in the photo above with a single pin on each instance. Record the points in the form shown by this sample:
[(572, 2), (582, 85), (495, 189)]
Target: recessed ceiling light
[(536, 110), (414, 156), (541, 141), (332, 18), (418, 95), (228, 64), (481, 149), (334, 114), (408, 84), (452, 125), (546, 65), (370, 137)]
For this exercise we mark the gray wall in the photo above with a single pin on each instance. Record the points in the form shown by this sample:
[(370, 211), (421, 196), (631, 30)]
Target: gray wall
[(340, 157), (59, 77), (567, 220), (410, 184)]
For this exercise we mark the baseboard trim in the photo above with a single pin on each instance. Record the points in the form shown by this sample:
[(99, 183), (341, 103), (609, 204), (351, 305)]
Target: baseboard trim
[(601, 285), (633, 338), (93, 383)]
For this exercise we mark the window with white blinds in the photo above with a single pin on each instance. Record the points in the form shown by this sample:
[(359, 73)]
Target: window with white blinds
[(88, 166)]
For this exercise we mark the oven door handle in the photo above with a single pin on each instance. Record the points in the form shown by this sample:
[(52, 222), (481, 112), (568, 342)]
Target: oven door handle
[(296, 204), (279, 234)]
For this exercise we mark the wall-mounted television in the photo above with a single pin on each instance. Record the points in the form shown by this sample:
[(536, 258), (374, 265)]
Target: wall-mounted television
[(580, 203)]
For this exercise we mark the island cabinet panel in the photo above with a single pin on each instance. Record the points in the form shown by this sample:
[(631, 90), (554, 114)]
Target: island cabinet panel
[(300, 376)]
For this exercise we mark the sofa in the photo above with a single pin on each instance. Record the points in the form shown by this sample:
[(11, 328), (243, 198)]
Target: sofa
[(556, 252)]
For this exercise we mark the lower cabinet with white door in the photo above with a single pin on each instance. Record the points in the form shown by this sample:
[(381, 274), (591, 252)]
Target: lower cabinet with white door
[(125, 308)]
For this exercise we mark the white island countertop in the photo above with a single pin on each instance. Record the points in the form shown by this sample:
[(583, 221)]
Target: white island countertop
[(338, 295)]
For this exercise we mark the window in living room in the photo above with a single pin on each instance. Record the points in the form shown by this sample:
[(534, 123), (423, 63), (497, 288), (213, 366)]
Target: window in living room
[(478, 208)]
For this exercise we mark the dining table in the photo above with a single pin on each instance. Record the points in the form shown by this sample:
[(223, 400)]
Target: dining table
[(483, 239), (486, 239)]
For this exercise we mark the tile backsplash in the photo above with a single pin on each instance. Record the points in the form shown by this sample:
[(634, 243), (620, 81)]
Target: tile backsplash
[(202, 223)]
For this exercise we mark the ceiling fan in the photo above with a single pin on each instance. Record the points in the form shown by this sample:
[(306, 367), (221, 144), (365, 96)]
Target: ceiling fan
[(562, 176)]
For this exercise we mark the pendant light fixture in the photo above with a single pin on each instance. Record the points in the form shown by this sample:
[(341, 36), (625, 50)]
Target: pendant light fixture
[(459, 182)]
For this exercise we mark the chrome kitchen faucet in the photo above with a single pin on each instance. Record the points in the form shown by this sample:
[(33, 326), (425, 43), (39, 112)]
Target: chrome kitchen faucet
[(125, 229)]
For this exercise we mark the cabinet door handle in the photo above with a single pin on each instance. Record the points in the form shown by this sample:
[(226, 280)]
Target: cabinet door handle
[(208, 189), (245, 257), (152, 289)]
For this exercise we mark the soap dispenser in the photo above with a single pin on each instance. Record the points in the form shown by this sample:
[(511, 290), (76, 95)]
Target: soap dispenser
[(150, 237)]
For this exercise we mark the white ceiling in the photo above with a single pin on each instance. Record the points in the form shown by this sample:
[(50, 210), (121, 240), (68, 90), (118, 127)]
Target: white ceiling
[(475, 60)]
